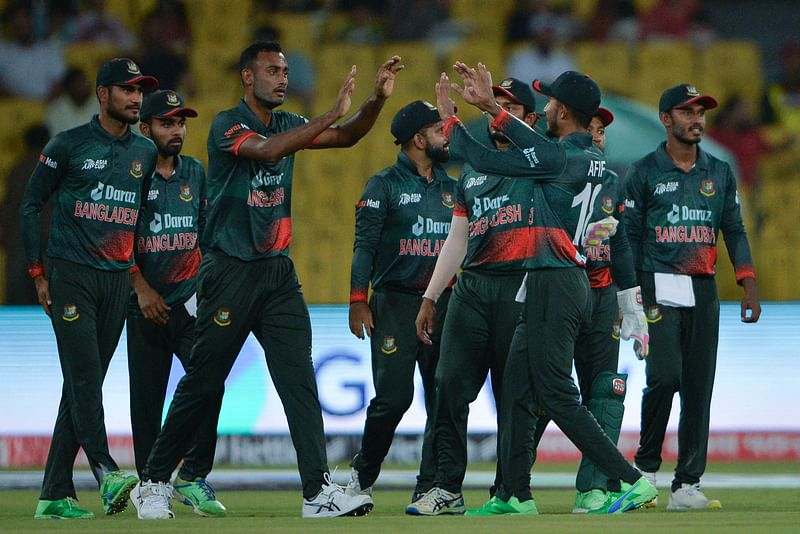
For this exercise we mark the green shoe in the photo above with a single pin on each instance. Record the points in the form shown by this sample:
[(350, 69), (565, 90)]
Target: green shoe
[(199, 495), (497, 506), (66, 508), (114, 491), (586, 501), (630, 498)]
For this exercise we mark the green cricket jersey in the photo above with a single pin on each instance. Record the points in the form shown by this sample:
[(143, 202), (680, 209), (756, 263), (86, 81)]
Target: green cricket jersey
[(674, 217), (96, 181), (171, 218), (612, 260), (498, 210), (401, 224), (249, 201), (566, 177)]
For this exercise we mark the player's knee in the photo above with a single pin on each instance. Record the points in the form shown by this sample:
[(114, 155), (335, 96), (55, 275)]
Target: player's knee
[(609, 385)]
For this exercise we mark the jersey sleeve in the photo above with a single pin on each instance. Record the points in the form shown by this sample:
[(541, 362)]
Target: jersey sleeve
[(509, 163), (44, 180), (371, 210), (542, 153), (460, 207), (228, 133), (634, 214), (203, 211), (733, 230)]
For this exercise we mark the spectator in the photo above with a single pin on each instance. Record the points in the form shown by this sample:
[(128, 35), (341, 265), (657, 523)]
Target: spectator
[(672, 19), (93, 25), (164, 38), (28, 68), (541, 58), (19, 289), (782, 101), (75, 106), (365, 23), (530, 16), (613, 20), (413, 20)]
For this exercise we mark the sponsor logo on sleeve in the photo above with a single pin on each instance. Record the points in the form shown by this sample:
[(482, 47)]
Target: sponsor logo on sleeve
[(389, 345), (45, 160), (368, 203), (235, 128), (618, 385)]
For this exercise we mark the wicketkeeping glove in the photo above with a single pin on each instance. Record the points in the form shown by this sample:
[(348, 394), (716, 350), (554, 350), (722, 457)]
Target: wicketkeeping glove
[(598, 231), (634, 323)]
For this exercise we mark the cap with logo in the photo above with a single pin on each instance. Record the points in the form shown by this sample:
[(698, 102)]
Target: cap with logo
[(575, 89), (412, 118), (124, 71), (518, 91), (682, 96), (605, 116), (164, 103)]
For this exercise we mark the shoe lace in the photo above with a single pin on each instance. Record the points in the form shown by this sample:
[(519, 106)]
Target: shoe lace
[(157, 495), (72, 502), (206, 488), (692, 489), (330, 487)]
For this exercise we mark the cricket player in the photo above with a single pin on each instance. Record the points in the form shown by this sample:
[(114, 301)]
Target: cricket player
[(402, 220), (489, 238), (565, 174), (679, 197), (96, 173), (247, 282), (161, 313)]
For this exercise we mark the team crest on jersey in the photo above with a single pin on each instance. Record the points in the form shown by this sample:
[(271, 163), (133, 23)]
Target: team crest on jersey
[(223, 317), (70, 312), (447, 200), (172, 99), (618, 385), (389, 346), (607, 205), (615, 328), (653, 314), (186, 193), (707, 188), (136, 168)]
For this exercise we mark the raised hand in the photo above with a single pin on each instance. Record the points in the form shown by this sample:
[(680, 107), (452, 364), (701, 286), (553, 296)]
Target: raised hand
[(384, 81), (444, 104), (477, 87), (343, 99)]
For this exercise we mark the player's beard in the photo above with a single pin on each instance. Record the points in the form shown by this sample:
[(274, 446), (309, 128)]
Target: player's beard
[(264, 98), (437, 153), (118, 115), (681, 135), (165, 149)]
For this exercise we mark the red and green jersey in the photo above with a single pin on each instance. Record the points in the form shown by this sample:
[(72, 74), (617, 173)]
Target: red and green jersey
[(402, 222), (565, 179), (96, 182), (612, 260), (249, 201), (673, 217), (172, 216), (498, 210)]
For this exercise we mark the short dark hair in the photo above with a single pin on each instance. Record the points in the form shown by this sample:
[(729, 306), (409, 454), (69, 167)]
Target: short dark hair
[(250, 53)]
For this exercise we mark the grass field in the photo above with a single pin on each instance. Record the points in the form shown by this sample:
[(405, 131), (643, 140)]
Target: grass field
[(744, 511)]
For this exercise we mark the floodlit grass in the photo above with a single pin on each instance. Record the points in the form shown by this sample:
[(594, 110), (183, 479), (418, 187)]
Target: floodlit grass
[(744, 511)]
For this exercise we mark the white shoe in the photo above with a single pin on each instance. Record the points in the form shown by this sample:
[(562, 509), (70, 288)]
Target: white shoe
[(688, 497), (651, 478), (332, 501), (437, 502), (353, 487), (151, 500)]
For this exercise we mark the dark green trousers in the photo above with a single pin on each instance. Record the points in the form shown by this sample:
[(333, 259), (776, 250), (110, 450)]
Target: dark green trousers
[(682, 359), (539, 374), (150, 350), (234, 299), (88, 313), (396, 351), (476, 337)]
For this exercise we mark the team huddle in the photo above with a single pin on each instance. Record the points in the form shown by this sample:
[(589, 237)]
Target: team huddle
[(559, 259)]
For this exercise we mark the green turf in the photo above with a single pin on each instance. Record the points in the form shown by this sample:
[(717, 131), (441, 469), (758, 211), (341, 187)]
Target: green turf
[(745, 511)]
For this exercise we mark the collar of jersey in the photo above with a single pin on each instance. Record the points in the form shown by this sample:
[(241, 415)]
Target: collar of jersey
[(665, 163), (106, 137), (408, 166)]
